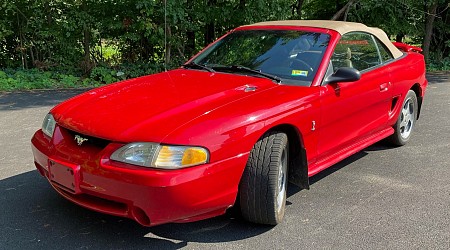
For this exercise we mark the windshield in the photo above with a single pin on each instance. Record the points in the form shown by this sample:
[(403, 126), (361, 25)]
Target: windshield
[(293, 56)]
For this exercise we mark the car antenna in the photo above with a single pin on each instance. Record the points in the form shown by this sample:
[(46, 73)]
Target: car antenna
[(165, 35)]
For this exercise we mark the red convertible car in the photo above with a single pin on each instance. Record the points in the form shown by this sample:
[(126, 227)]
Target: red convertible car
[(265, 104)]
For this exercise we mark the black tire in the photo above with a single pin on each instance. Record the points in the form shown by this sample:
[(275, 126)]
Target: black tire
[(406, 120), (262, 190)]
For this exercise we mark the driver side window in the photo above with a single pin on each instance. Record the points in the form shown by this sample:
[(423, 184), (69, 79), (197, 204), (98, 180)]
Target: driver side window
[(356, 50)]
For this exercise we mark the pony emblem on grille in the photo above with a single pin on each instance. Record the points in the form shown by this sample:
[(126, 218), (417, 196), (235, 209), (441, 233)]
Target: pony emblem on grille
[(80, 139)]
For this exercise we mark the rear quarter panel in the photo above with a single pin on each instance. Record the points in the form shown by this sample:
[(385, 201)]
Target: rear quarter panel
[(406, 72)]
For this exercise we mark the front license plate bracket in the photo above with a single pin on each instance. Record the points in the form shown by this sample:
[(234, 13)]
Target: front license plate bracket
[(66, 176)]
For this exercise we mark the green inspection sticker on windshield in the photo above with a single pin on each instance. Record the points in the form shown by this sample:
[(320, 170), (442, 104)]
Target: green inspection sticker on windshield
[(299, 72)]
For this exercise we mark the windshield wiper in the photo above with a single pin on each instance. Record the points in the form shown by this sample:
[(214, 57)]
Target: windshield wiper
[(240, 68), (194, 65)]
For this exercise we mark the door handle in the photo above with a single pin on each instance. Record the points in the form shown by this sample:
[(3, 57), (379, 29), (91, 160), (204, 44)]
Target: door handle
[(385, 86)]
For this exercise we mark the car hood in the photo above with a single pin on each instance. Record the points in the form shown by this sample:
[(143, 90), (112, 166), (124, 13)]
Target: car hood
[(149, 108)]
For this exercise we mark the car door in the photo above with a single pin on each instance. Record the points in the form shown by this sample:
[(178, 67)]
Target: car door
[(351, 111)]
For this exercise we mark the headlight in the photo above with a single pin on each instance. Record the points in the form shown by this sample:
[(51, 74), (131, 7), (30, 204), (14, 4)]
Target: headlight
[(161, 156), (48, 126)]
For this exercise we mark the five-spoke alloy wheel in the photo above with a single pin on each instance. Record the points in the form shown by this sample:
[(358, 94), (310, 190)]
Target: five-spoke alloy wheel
[(404, 126)]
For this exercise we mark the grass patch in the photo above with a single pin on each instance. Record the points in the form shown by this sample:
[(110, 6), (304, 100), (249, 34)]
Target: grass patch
[(14, 80)]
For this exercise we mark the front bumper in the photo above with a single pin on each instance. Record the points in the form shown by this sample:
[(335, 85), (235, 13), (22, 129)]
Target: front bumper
[(86, 176)]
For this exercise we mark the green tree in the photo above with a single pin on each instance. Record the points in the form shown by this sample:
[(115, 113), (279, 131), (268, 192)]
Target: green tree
[(71, 35)]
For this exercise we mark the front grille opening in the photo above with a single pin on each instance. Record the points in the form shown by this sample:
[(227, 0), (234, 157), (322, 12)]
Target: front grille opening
[(94, 141)]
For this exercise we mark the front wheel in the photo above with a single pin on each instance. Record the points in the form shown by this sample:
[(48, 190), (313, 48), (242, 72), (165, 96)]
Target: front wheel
[(406, 121), (262, 190)]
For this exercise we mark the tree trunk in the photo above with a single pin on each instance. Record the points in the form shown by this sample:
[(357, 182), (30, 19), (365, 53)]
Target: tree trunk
[(168, 46), (190, 33), (297, 9), (429, 29), (210, 34), (190, 46), (86, 43), (242, 4), (48, 13), (32, 56), (87, 48), (346, 13), (22, 57), (343, 11)]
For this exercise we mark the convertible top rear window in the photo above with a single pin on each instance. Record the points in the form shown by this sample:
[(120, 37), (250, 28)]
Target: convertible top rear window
[(294, 56)]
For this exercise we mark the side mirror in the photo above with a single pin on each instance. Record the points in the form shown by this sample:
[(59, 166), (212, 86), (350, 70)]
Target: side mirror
[(344, 74)]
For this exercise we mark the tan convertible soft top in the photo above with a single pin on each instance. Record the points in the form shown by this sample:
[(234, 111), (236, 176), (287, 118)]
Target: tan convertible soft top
[(339, 26)]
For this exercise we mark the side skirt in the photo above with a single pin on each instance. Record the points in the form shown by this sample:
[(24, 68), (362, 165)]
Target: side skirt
[(348, 150)]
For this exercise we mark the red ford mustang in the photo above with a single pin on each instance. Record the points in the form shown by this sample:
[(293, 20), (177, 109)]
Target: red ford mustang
[(266, 104)]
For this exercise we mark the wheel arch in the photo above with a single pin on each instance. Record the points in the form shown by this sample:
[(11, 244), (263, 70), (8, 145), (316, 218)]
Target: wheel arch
[(298, 165), (419, 94)]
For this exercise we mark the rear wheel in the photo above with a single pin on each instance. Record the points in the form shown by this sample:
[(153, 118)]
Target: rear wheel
[(262, 190), (406, 120)]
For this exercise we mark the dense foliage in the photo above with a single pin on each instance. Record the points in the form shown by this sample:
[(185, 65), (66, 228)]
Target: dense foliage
[(107, 40)]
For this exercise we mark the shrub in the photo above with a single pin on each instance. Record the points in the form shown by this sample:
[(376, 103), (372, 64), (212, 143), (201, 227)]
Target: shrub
[(435, 65), (18, 79)]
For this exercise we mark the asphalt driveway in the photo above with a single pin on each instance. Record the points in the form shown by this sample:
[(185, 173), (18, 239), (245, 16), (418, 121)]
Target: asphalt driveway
[(380, 198)]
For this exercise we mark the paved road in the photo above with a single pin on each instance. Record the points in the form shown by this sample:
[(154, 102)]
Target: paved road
[(381, 198)]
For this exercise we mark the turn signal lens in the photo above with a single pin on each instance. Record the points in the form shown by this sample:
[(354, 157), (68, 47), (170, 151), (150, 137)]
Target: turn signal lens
[(193, 156), (172, 157)]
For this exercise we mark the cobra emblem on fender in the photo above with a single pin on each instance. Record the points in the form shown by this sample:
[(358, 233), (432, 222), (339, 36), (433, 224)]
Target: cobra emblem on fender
[(80, 139)]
